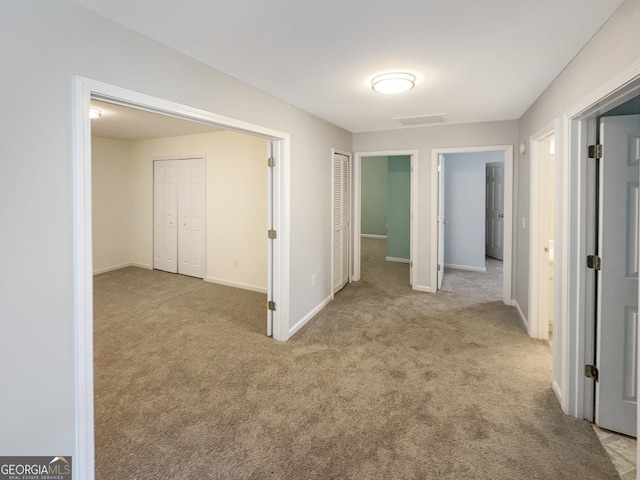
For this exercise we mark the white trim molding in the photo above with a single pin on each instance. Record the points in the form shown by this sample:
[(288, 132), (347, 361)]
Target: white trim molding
[(369, 235), (468, 268), (575, 332), (357, 205), (242, 286), (508, 212), (537, 329), (309, 316), (398, 260)]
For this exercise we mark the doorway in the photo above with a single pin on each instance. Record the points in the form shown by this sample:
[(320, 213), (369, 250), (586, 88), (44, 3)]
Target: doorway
[(615, 265), (581, 349), (278, 279), (470, 259), (542, 233), (385, 170)]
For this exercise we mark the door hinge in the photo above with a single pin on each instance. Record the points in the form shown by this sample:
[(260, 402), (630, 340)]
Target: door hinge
[(271, 305), (271, 162), (272, 234), (591, 371), (594, 261), (439, 168), (411, 264), (595, 151), (439, 267)]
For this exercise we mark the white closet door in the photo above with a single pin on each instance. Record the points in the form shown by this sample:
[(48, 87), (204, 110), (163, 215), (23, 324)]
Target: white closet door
[(179, 216), (340, 221), (165, 206), (191, 211)]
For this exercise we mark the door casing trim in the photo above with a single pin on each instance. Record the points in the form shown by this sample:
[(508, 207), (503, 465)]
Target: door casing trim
[(84, 89), (508, 212)]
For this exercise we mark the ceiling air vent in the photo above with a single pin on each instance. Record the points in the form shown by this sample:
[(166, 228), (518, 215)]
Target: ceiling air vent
[(421, 119)]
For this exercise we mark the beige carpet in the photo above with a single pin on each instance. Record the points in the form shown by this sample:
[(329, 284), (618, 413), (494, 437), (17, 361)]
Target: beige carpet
[(385, 383)]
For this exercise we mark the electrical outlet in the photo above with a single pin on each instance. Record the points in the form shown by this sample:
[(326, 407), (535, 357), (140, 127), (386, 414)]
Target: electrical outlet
[(235, 263), (313, 280)]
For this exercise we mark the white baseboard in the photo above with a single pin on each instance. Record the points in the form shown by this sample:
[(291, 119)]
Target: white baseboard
[(370, 235), (111, 268), (423, 288), (396, 259), (556, 389), (309, 316), (465, 267), (522, 317), (229, 283), (141, 265)]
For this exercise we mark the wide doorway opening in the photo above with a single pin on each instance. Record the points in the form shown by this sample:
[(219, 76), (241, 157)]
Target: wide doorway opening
[(114, 206)]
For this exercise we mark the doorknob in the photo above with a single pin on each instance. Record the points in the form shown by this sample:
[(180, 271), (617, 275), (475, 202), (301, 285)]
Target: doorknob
[(446, 221), (501, 215)]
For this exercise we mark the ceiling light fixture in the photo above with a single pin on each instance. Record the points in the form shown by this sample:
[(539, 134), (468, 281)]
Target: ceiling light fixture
[(391, 83), (95, 113)]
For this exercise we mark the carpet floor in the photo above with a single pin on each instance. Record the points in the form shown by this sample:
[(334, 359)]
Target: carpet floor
[(384, 383)]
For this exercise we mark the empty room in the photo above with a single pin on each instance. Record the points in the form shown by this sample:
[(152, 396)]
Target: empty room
[(203, 304)]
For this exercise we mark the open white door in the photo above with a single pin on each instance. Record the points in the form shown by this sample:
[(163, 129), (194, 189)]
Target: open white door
[(441, 220), (495, 210), (617, 314)]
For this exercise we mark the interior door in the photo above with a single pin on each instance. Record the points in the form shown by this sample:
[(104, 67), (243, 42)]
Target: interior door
[(495, 210), (617, 312), (191, 214), (340, 224), (179, 216), (441, 221), (165, 216)]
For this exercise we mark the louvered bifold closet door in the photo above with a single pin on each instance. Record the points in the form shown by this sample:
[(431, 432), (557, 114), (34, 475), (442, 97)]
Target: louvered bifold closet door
[(340, 221)]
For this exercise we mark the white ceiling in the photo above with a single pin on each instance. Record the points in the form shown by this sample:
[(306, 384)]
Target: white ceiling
[(480, 60), (126, 123)]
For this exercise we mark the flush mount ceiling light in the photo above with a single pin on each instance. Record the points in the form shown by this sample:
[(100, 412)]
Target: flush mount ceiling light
[(95, 113), (391, 83)]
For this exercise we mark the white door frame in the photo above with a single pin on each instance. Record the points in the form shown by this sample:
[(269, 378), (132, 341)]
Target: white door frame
[(279, 288), (575, 392), (538, 324), (508, 212), (357, 209), (349, 155)]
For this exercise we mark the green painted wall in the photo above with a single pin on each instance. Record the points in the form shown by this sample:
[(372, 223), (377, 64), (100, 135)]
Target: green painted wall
[(398, 203), (374, 195)]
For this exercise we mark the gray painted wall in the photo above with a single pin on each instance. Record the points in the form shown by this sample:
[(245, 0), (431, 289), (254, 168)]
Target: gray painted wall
[(424, 140), (612, 50), (465, 193), (374, 189), (399, 207)]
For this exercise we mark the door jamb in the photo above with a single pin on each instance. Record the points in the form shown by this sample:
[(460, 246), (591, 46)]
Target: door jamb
[(357, 210), (508, 212), (536, 327), (576, 398), (84, 90)]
